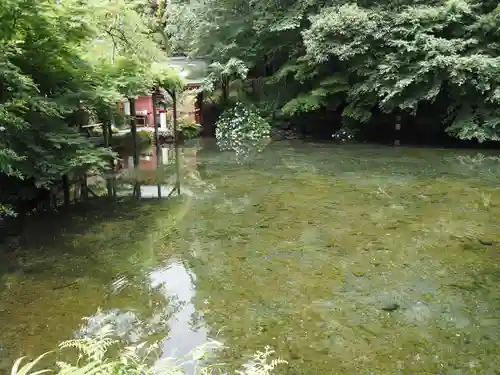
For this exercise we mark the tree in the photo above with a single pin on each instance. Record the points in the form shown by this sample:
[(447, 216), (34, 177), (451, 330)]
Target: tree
[(358, 60), (43, 80), (402, 57), (64, 63)]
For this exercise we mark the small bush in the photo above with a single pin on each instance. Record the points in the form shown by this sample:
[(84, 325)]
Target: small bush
[(144, 136), (242, 130), (124, 140), (344, 135), (6, 210), (188, 129)]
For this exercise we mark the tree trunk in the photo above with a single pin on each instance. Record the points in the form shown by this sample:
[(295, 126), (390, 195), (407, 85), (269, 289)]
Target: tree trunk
[(225, 92), (75, 193), (65, 183)]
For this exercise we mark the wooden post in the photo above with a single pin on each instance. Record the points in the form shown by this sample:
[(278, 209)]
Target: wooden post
[(199, 108), (155, 116), (397, 142), (133, 131), (177, 162), (106, 134), (110, 125), (112, 190), (159, 163)]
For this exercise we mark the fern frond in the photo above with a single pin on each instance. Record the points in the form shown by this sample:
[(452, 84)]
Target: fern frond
[(91, 368), (93, 347), (285, 71), (26, 369), (261, 365)]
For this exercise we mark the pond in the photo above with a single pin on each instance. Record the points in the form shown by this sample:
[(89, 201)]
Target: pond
[(346, 259)]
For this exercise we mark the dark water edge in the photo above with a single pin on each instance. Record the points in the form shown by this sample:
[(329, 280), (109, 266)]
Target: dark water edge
[(345, 259)]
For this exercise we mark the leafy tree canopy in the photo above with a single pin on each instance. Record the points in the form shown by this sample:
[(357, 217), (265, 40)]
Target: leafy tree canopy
[(64, 62), (356, 58)]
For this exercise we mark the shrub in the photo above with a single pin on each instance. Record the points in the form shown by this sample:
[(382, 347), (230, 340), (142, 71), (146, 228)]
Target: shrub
[(6, 210), (242, 130), (144, 136), (124, 141), (344, 134), (188, 129)]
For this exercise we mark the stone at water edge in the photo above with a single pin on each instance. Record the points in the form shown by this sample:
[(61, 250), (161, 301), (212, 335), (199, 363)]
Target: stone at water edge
[(390, 307), (485, 242)]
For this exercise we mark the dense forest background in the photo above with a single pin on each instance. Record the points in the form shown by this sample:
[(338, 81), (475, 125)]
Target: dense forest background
[(320, 65), (311, 66)]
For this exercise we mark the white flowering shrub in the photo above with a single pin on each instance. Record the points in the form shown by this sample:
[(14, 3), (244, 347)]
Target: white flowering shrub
[(243, 131), (344, 135)]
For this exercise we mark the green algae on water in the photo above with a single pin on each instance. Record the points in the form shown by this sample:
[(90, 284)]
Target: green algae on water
[(308, 249)]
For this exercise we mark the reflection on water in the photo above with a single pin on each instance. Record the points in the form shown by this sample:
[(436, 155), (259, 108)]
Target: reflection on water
[(160, 173), (185, 334), (345, 259), (165, 191)]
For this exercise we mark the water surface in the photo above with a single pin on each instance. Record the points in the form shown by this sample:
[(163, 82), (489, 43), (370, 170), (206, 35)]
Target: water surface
[(345, 259)]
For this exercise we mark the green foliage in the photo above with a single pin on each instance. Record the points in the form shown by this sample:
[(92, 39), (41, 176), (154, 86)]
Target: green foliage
[(94, 357), (243, 131), (188, 129), (43, 80), (324, 94), (356, 58), (402, 56), (165, 77), (28, 367), (64, 65), (6, 210), (221, 75), (124, 141)]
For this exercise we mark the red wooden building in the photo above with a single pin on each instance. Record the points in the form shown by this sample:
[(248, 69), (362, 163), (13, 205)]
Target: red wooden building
[(189, 105)]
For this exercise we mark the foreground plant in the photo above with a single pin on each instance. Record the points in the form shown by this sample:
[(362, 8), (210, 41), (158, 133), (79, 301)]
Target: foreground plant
[(94, 357)]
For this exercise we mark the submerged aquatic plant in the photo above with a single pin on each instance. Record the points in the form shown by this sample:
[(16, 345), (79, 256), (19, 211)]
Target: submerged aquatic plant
[(243, 131), (93, 357)]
